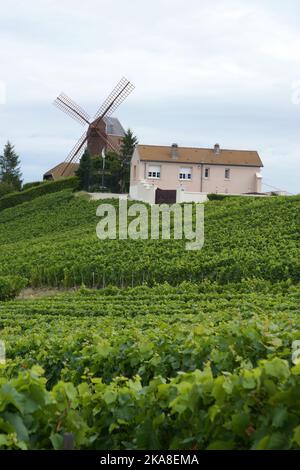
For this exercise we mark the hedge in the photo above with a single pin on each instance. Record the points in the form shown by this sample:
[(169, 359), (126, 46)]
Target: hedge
[(13, 199), (33, 184), (11, 286), (216, 197)]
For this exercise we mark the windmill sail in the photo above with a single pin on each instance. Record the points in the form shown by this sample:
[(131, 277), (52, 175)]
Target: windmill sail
[(116, 97), (76, 152), (71, 108)]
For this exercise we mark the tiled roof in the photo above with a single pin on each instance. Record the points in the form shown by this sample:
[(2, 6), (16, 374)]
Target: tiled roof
[(158, 153), (58, 169)]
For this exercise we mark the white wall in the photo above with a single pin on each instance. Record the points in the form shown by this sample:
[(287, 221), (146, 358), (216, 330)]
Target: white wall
[(133, 191), (258, 182), (143, 191), (186, 196), (99, 196)]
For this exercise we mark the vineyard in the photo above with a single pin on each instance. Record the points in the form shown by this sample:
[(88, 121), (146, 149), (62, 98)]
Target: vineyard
[(160, 348), (52, 242)]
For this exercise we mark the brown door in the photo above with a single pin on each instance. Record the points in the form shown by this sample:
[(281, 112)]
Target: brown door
[(165, 196)]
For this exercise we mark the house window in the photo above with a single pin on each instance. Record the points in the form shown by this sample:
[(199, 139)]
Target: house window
[(227, 174), (185, 174), (134, 172), (206, 172), (154, 172)]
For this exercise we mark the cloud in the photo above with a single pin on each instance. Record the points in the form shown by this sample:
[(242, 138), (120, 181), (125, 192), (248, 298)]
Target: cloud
[(2, 92), (198, 68)]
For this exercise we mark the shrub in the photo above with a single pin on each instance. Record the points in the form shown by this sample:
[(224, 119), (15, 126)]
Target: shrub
[(6, 188), (16, 198), (11, 286), (216, 197), (33, 184)]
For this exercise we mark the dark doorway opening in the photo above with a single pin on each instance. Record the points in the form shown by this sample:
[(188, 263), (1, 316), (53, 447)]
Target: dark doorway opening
[(165, 196)]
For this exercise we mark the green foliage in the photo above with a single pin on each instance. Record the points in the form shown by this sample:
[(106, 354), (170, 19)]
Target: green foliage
[(129, 142), (34, 184), (52, 241), (194, 366), (115, 176), (107, 179), (85, 172), (92, 176), (216, 197), (6, 188), (11, 286), (151, 331), (193, 410), (34, 192), (10, 167), (195, 354), (113, 172)]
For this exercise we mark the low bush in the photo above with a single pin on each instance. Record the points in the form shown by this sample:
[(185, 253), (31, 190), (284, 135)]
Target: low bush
[(33, 184), (255, 409), (11, 286), (16, 198), (6, 188), (216, 197)]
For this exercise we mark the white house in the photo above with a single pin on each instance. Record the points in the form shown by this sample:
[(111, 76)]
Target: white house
[(192, 173)]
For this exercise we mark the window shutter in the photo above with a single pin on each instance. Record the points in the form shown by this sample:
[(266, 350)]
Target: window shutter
[(153, 171), (185, 173)]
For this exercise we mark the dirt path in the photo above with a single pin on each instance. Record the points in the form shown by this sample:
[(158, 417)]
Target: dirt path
[(31, 293)]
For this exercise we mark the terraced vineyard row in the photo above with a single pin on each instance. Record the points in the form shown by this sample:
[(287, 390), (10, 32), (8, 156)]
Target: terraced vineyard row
[(149, 332), (153, 368), (52, 242)]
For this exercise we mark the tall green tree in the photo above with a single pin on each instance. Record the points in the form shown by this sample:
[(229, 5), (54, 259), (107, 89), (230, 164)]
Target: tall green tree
[(127, 148), (113, 166), (117, 168), (85, 171), (10, 171)]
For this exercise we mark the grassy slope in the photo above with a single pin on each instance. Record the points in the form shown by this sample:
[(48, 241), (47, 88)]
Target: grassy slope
[(52, 241), (151, 331), (194, 366), (154, 332)]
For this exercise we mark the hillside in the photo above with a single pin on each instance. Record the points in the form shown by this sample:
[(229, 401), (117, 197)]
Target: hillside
[(52, 241), (131, 331), (200, 357), (188, 367)]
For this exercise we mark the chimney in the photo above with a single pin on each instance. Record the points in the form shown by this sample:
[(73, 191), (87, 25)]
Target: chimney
[(174, 151), (217, 149)]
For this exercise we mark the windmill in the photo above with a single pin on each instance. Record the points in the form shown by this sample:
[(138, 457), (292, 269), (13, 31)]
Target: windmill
[(95, 138)]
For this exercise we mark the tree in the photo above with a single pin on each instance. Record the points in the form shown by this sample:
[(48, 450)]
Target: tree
[(10, 171), (113, 167), (117, 168), (85, 171), (127, 148), (109, 179)]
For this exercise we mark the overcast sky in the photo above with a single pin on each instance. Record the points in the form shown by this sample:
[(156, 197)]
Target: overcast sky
[(205, 71)]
